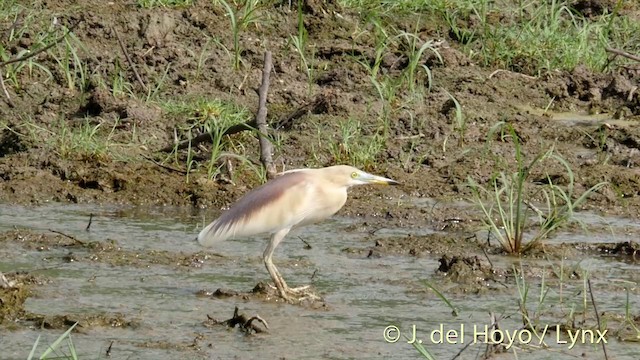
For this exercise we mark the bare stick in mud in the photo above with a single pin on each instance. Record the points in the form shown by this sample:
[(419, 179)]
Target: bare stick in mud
[(320, 104), (595, 308), (492, 347), (36, 52), (108, 352), (622, 53), (206, 137), (26, 57), (166, 167), (245, 322), (89, 224), (126, 56), (261, 119), (68, 237), (307, 246)]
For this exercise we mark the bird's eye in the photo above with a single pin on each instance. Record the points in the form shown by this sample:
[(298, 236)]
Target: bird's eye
[(354, 175)]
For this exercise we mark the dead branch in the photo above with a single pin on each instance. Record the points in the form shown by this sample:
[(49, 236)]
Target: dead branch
[(206, 137), (249, 325), (108, 352), (166, 167), (89, 224), (34, 53), (505, 70), (68, 237), (307, 246), (595, 309), (261, 119), (622, 53), (493, 347), (26, 57), (244, 322), (320, 104), (486, 255), (126, 56), (535, 209)]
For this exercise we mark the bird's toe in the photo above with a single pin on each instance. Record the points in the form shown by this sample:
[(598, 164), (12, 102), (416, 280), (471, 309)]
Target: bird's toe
[(300, 289), (302, 293)]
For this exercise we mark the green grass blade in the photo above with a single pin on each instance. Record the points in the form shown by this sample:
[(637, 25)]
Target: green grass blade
[(33, 349), (454, 310), (422, 350), (56, 343)]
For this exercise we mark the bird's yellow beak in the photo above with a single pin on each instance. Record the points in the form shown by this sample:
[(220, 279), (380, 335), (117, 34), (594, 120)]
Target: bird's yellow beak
[(375, 179)]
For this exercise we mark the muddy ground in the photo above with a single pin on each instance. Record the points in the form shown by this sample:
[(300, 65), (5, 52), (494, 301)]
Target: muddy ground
[(422, 151), (588, 117)]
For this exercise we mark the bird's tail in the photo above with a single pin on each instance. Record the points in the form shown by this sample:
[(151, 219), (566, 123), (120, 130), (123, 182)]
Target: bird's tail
[(209, 235), (215, 232)]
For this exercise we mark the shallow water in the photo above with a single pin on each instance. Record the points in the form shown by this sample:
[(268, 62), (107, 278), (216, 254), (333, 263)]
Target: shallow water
[(364, 296)]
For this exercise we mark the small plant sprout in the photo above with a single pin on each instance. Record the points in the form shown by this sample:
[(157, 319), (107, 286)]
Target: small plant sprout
[(240, 21), (74, 70), (55, 347), (415, 52), (300, 44)]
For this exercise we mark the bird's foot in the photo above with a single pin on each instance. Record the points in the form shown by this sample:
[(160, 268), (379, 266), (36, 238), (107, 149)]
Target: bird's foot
[(297, 294), (300, 290), (301, 293)]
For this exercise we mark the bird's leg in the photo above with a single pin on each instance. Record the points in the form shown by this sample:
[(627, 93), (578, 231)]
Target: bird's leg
[(283, 289), (281, 285)]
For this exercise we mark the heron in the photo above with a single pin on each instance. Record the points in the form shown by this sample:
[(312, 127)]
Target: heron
[(293, 199)]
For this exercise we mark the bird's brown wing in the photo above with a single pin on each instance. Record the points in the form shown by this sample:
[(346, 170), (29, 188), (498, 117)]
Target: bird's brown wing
[(281, 203)]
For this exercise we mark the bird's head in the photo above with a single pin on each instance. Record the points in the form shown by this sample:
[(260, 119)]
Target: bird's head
[(352, 176)]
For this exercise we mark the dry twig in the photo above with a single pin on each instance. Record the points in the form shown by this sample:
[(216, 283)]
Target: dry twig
[(622, 53), (131, 64), (26, 57), (261, 119), (34, 53), (243, 321), (206, 137), (89, 224), (320, 104), (167, 167), (68, 236), (595, 309)]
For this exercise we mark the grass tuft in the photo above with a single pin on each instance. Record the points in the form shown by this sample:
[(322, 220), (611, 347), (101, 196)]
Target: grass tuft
[(531, 37), (214, 117), (506, 206), (351, 146), (240, 20)]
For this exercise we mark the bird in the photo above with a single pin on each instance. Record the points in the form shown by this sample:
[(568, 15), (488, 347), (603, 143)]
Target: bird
[(291, 200)]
